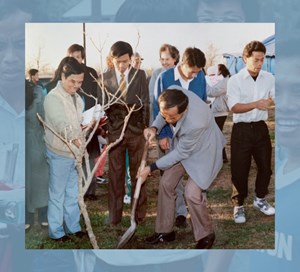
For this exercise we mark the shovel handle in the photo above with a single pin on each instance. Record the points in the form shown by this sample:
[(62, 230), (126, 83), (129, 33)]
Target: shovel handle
[(142, 166)]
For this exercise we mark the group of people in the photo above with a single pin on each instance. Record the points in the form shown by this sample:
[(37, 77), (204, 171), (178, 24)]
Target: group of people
[(187, 125), (287, 178)]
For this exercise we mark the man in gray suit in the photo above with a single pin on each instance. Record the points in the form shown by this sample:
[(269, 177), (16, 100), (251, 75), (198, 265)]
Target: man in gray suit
[(196, 150)]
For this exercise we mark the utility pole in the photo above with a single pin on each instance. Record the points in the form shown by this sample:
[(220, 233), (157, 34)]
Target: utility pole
[(84, 41)]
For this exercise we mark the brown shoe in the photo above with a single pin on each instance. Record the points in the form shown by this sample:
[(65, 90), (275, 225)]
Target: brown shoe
[(206, 242)]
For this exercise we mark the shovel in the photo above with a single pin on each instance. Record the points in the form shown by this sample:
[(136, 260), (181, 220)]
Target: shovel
[(131, 230)]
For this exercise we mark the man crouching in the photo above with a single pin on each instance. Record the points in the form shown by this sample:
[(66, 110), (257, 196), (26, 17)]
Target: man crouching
[(196, 149)]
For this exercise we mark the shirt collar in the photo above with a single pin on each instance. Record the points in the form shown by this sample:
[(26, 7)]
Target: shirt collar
[(246, 74), (177, 75), (118, 74), (6, 106), (62, 91)]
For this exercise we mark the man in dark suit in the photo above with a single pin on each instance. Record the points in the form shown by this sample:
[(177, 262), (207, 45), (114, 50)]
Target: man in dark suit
[(131, 84)]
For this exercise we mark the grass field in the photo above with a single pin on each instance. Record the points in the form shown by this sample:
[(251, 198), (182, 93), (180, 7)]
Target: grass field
[(257, 233)]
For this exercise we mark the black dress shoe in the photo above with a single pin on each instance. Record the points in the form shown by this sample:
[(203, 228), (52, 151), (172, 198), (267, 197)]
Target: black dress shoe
[(91, 197), (180, 222), (160, 238), (62, 239), (80, 234), (206, 242)]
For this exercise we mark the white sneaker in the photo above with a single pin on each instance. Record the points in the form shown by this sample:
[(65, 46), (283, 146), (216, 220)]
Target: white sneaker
[(239, 214), (127, 199), (262, 205)]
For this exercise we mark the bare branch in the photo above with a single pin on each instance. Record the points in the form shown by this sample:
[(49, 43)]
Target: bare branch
[(109, 146), (138, 41), (68, 143)]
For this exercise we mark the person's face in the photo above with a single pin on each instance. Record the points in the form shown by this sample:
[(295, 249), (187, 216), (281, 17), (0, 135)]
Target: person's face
[(166, 60), (171, 115), (11, 47), (136, 62), (35, 78), (72, 83), (121, 63), (255, 62), (288, 104), (77, 55), (190, 72), (220, 11)]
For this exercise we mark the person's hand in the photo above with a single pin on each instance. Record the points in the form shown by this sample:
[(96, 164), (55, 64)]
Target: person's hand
[(264, 104), (143, 174), (149, 134), (164, 143)]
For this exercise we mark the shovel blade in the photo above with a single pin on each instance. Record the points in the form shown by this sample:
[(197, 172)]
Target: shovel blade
[(127, 235)]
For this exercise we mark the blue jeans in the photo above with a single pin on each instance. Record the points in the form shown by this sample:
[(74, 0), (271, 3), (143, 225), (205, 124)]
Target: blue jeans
[(63, 209)]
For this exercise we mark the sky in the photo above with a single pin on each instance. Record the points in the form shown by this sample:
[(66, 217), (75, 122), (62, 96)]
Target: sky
[(53, 39)]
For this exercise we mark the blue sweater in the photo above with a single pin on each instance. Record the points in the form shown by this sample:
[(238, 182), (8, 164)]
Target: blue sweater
[(167, 79)]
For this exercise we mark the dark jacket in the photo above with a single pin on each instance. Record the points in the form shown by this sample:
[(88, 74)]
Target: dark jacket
[(89, 85), (138, 89)]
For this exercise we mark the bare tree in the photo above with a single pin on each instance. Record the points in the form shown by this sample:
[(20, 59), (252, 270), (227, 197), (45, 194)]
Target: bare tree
[(212, 55), (39, 64), (81, 154)]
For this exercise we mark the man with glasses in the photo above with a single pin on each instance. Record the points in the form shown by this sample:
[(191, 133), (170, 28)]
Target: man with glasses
[(197, 151), (189, 75)]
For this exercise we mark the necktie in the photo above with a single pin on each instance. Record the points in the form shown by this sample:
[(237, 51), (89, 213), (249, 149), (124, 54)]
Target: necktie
[(122, 85)]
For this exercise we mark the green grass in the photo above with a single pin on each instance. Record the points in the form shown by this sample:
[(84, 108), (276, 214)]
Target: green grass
[(256, 233)]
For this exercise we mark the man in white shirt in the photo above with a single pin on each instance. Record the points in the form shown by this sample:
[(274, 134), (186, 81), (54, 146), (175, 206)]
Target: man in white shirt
[(250, 94)]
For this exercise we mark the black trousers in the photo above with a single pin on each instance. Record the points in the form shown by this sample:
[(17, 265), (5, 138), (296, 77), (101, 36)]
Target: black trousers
[(220, 120), (250, 140)]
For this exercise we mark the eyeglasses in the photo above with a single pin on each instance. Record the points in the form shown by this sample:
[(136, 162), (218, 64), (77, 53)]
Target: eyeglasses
[(171, 118)]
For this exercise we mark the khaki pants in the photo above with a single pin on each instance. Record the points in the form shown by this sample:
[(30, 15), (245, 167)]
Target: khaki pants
[(201, 222)]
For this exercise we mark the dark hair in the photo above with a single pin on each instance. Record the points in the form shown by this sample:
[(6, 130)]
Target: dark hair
[(57, 74), (65, 65), (194, 57), (32, 72), (172, 50), (72, 67), (121, 48), (223, 70), (253, 46), (74, 48), (173, 98)]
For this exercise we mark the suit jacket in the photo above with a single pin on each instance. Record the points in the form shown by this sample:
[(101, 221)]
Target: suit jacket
[(89, 85), (197, 142), (138, 89)]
